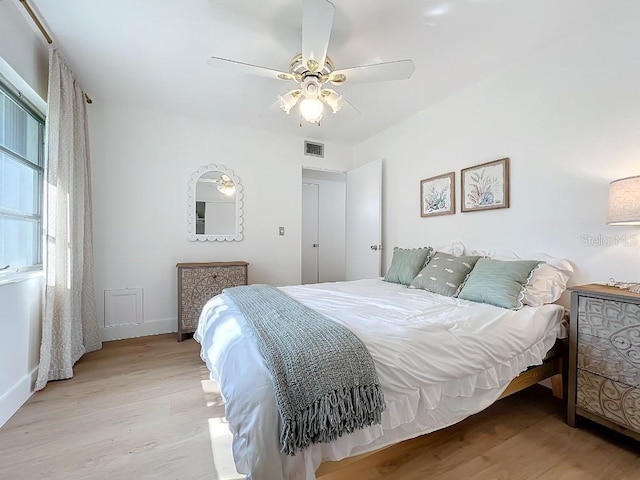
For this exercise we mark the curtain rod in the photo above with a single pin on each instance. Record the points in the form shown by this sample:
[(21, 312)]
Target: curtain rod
[(44, 32), (37, 21)]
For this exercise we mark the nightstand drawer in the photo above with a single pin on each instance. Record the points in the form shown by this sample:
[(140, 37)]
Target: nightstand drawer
[(612, 400), (600, 317), (209, 281), (616, 357)]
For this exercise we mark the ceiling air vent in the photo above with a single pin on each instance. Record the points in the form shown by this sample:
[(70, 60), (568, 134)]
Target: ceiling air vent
[(314, 149)]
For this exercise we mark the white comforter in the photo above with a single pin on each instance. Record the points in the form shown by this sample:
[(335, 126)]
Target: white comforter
[(439, 360)]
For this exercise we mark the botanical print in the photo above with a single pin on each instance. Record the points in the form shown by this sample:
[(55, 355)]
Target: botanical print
[(485, 186), (437, 198), (436, 195)]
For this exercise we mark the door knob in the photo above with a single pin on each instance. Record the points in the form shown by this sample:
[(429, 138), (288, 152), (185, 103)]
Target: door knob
[(374, 247), (315, 245)]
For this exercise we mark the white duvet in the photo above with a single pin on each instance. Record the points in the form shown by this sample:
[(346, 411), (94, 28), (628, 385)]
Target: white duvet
[(439, 360)]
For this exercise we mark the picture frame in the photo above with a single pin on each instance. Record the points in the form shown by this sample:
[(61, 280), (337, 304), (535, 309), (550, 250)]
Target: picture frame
[(438, 195), (485, 186)]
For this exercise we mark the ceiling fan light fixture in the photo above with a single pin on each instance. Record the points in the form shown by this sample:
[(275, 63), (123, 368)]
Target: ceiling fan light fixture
[(312, 69), (227, 189), (311, 109), (288, 101), (311, 86), (334, 100), (226, 185)]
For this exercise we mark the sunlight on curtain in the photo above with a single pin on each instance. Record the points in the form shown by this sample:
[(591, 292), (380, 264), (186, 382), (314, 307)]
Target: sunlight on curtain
[(69, 324)]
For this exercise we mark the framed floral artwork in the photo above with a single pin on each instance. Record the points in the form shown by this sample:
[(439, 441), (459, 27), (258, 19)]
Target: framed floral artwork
[(437, 195), (485, 186)]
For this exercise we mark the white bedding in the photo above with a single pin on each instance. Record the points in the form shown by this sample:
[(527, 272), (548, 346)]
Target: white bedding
[(439, 360)]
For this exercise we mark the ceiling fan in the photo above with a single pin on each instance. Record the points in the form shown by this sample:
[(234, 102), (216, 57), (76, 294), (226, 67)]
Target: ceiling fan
[(313, 69), (223, 183)]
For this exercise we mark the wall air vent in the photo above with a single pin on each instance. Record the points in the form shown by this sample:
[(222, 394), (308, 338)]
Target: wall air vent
[(313, 149)]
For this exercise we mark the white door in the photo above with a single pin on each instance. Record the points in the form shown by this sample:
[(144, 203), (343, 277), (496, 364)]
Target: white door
[(310, 219), (364, 221)]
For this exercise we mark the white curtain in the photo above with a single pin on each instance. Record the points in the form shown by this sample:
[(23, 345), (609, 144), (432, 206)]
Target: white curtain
[(69, 324)]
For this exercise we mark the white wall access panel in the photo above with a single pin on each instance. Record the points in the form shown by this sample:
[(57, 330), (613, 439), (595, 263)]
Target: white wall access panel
[(123, 307)]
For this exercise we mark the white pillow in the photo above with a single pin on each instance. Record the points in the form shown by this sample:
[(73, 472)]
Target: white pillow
[(548, 280), (452, 248), (496, 254)]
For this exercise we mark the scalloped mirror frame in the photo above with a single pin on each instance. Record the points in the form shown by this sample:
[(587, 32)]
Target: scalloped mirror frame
[(191, 206)]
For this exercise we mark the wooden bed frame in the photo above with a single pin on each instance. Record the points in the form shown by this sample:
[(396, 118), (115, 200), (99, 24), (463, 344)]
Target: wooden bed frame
[(553, 367)]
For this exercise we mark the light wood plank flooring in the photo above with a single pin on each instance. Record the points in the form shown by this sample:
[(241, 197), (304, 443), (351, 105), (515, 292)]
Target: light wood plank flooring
[(145, 409)]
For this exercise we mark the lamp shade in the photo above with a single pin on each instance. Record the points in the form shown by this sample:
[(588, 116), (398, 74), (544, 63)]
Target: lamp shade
[(624, 202)]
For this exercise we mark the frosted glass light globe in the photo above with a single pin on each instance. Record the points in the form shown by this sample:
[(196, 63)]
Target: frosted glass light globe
[(311, 109)]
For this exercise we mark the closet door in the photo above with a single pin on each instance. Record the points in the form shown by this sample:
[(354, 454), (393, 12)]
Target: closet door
[(310, 222), (364, 221)]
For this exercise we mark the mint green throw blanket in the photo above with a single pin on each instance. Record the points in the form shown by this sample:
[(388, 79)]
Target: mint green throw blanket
[(324, 378)]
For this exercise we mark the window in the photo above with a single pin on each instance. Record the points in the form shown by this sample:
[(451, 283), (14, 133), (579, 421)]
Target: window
[(21, 177)]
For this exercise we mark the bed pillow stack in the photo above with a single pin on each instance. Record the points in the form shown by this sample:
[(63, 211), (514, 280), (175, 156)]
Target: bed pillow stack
[(497, 282), (406, 264), (492, 277), (444, 273), (547, 283)]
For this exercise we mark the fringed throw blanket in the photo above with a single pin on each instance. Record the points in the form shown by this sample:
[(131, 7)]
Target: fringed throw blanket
[(324, 378)]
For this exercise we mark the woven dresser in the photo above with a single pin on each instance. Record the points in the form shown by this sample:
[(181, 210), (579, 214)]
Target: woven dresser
[(197, 283), (604, 358)]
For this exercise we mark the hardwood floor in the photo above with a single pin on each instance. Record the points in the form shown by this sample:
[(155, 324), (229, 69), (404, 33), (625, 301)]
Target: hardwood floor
[(137, 409), (145, 409)]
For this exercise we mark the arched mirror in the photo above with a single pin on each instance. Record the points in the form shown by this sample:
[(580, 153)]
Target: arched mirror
[(214, 205)]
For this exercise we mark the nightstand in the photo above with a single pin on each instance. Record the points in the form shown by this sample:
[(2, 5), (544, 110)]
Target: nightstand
[(604, 358), (198, 282)]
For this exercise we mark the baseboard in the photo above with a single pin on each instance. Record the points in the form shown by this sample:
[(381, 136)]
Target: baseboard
[(155, 327), (12, 400)]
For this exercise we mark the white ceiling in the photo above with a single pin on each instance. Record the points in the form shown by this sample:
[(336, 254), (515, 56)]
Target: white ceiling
[(152, 53)]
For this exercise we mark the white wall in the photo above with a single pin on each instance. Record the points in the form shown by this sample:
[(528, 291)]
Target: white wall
[(22, 48), (23, 60), (20, 314), (569, 119), (332, 197), (142, 162)]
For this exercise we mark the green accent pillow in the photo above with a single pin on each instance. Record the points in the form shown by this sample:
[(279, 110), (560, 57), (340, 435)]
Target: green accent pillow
[(406, 263), (497, 282), (444, 273)]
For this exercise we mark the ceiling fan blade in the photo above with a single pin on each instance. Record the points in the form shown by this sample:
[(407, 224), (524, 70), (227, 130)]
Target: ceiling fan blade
[(351, 106), (227, 64), (271, 110), (317, 20), (377, 72)]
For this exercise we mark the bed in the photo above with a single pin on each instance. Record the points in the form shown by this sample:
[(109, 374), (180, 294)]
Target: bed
[(439, 360)]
